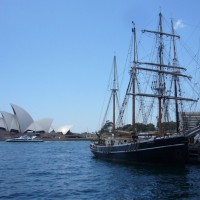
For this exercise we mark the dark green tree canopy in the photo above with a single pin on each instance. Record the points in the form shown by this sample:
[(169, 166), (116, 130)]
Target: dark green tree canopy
[(107, 127)]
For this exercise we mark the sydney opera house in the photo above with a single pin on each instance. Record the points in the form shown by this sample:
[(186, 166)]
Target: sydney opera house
[(20, 121)]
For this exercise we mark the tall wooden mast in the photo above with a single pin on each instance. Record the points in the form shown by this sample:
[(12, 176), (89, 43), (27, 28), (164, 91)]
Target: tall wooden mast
[(175, 62), (113, 96), (114, 92), (160, 86), (133, 82)]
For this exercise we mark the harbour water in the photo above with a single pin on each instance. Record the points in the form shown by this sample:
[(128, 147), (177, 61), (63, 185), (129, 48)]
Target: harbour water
[(67, 170)]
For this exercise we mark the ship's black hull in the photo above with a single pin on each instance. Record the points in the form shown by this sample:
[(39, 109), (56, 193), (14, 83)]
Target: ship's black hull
[(170, 150)]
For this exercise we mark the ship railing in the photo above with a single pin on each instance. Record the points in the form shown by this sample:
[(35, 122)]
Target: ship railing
[(193, 132)]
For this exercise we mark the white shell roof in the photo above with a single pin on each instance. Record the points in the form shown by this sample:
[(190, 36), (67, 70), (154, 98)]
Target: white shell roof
[(22, 121), (3, 123), (63, 129), (23, 117), (41, 125), (10, 120)]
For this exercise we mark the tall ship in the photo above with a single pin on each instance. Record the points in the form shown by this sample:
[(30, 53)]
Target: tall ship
[(162, 90)]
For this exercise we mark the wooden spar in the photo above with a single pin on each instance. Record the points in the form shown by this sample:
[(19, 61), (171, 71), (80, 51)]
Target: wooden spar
[(160, 32), (164, 72), (163, 96), (163, 65)]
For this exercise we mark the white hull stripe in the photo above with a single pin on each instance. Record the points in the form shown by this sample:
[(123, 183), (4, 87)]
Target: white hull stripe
[(137, 150)]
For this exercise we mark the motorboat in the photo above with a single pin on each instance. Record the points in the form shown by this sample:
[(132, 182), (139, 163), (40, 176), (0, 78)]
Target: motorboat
[(25, 138)]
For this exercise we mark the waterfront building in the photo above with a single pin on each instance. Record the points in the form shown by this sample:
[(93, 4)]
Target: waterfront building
[(20, 121)]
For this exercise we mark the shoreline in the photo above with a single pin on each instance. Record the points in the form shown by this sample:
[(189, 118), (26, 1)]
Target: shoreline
[(4, 135)]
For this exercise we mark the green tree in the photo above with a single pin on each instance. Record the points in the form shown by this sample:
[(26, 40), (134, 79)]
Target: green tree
[(150, 127), (107, 127), (140, 127), (168, 126), (127, 127)]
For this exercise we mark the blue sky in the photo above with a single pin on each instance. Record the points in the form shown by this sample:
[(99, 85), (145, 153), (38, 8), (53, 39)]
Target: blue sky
[(56, 55)]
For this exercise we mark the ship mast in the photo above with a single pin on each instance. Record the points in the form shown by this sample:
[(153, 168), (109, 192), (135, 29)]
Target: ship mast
[(133, 83), (175, 80), (114, 92), (160, 88), (113, 97)]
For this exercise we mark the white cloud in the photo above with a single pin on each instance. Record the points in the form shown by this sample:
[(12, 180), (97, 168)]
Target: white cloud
[(179, 24)]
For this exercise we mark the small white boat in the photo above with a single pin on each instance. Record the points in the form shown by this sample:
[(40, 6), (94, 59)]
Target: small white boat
[(25, 138)]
